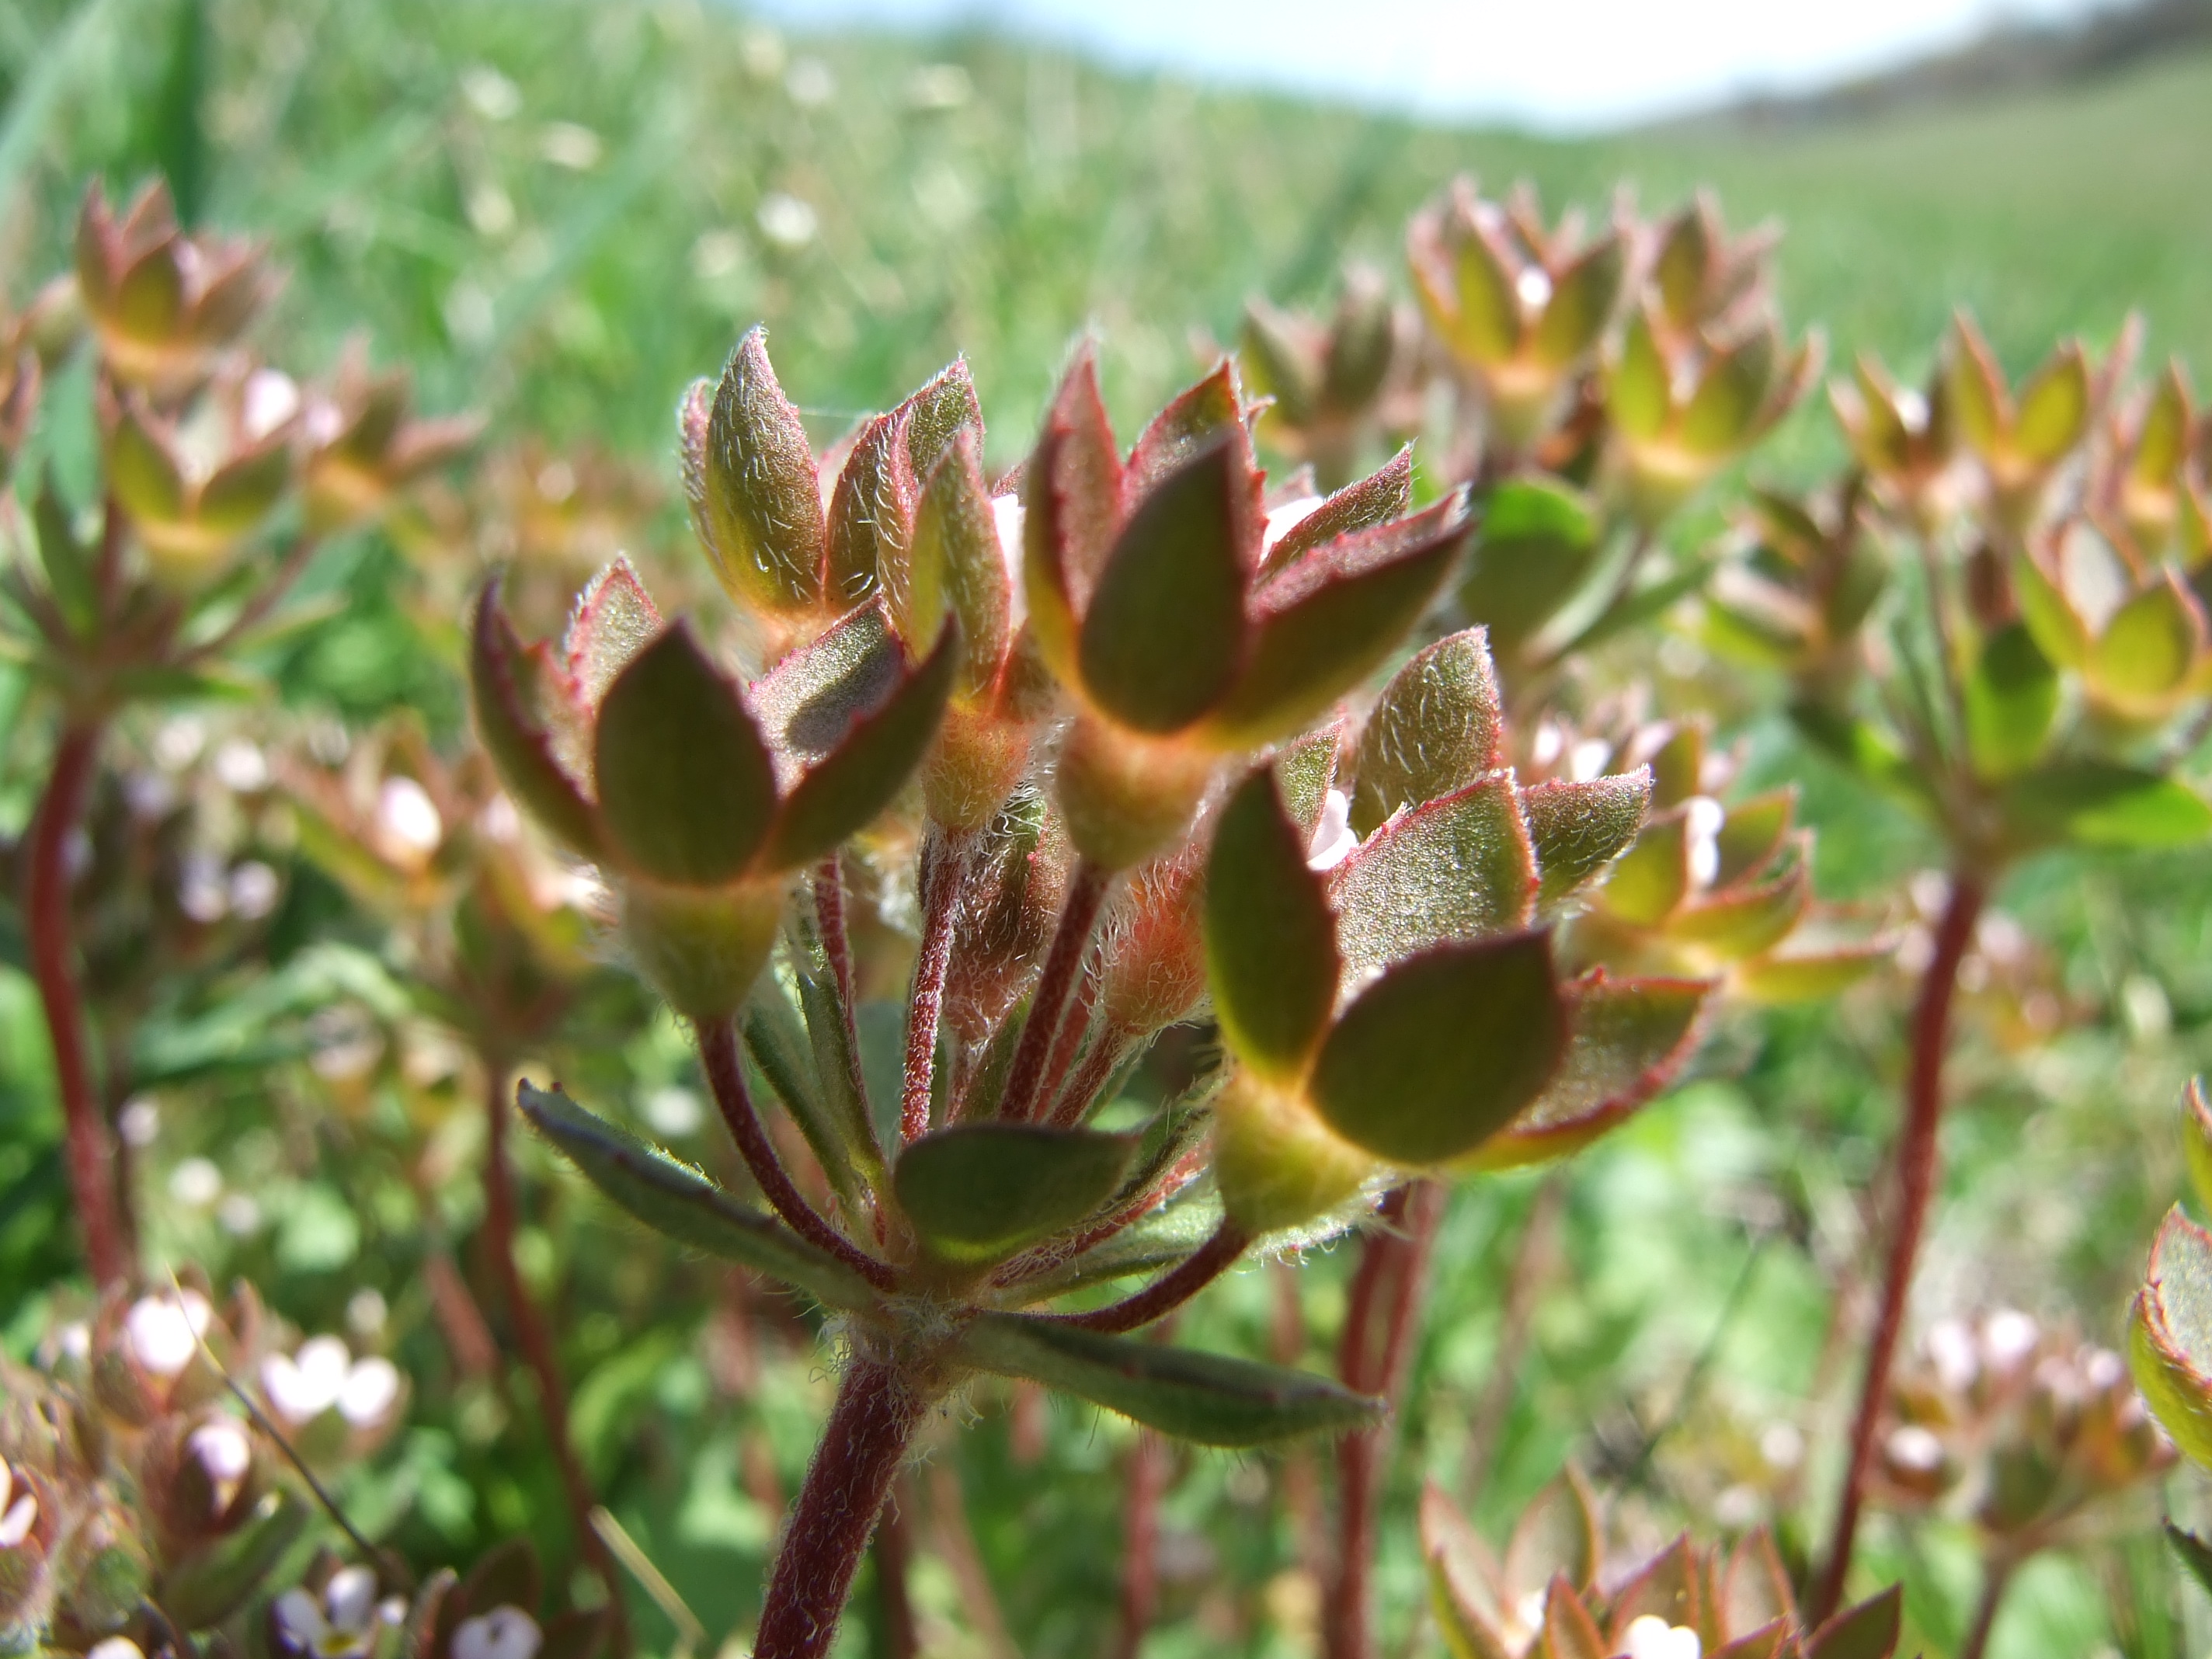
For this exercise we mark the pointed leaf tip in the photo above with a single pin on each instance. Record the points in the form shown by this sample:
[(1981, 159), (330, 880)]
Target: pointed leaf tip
[(1270, 941)]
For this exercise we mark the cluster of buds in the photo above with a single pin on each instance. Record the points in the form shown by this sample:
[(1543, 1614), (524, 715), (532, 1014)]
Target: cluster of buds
[(1710, 887), (1553, 1593), (134, 1484), (1341, 385), (2027, 1430), (2069, 636)]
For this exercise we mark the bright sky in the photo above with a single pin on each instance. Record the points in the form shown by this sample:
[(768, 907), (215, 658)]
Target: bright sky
[(1563, 65)]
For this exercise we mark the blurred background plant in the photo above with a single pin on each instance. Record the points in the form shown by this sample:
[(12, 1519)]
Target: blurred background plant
[(298, 1097)]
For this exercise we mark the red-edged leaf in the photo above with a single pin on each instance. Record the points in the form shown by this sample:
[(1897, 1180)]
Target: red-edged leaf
[(871, 516), (1665, 1587), (1376, 499), (1072, 510), (614, 619), (1194, 419), (1579, 827), (509, 691), (957, 567), (939, 413), (1270, 941), (1869, 1630), (1458, 868), (1434, 729)]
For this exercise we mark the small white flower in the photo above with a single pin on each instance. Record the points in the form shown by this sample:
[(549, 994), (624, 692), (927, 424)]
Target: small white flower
[(1703, 818), (196, 1183), (162, 1331), (786, 221), (407, 827), (351, 1598), (1951, 1350), (138, 1122), (369, 1391), (115, 1647), (1913, 1447), (1782, 1445), (367, 1312), (224, 1455), (305, 1385), (491, 94), (18, 1515), (241, 768), (1332, 841), (505, 1633), (2009, 1336), (254, 889), (339, 1626), (566, 144), (271, 398), (1650, 1637), (1534, 286)]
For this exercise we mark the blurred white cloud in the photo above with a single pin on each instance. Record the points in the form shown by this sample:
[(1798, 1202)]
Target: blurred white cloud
[(1567, 65)]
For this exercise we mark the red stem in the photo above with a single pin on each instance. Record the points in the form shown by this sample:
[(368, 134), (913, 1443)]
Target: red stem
[(894, 1557), (863, 1444), (1141, 1543), (52, 951), (1997, 1576), (1078, 915), (1073, 1100), (1917, 1166), (718, 1052), (501, 1219), (943, 861), (1386, 1294), (1172, 1290)]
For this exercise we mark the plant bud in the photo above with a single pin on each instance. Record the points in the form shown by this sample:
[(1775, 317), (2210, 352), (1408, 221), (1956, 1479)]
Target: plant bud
[(1277, 1165)]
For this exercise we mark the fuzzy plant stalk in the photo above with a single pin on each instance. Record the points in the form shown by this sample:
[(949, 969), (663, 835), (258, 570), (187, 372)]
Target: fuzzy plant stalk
[(220, 477), (2024, 682), (1102, 715)]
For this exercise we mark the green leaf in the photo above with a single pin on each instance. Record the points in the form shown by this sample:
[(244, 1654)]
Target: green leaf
[(241, 493), (2011, 698), (2098, 803), (2053, 621), (2170, 1334), (1485, 325), (1581, 304), (1794, 975), (1161, 1240), (1197, 416), (1454, 869), (1444, 1050), (1638, 386), (749, 471), (1975, 391), (1627, 1040), (2151, 643), (141, 473), (2054, 407), (2196, 1555), (209, 1584), (2196, 1141), (1536, 545), (1869, 1630), (1578, 828), (512, 691), (1719, 416), (871, 515), (1271, 956), (1462, 1575), (1376, 499), (1666, 1588), (1751, 834), (1323, 624), (1280, 361), (938, 414), (1650, 880), (677, 1201), (1207, 1398), (1434, 729), (846, 790), (979, 1192), (615, 619), (67, 562), (686, 786), (1732, 926), (1305, 771), (958, 568), (1164, 637)]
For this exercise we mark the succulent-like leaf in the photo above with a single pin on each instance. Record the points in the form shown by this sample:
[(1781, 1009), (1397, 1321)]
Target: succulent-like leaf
[(1581, 304), (1537, 545), (1463, 1580), (871, 515), (1751, 834), (2150, 644), (1165, 639), (1444, 1050), (1741, 923), (957, 566), (1556, 1536), (1721, 413), (2099, 804), (686, 786), (1869, 1630), (143, 473), (749, 471), (1665, 1587), (2194, 1553), (979, 1192), (1072, 510), (1271, 952), (2170, 1334), (1627, 1040), (1456, 868), (1975, 391), (2011, 698), (615, 619), (1208, 1398), (1650, 880), (1194, 418), (508, 689), (1321, 625), (2051, 621), (1638, 386), (939, 413), (2054, 407), (1568, 1631), (1791, 977), (1376, 499), (844, 790), (1578, 828), (677, 1200), (1434, 729), (240, 493), (1755, 1588), (1305, 771)]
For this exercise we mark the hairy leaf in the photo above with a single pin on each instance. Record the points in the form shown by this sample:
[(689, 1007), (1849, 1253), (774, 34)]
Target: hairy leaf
[(979, 1192), (1271, 952), (1434, 731), (1577, 829), (749, 471), (1455, 869)]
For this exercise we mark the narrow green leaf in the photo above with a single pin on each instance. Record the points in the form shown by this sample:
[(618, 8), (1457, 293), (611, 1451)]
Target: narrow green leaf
[(67, 562), (1578, 828), (2054, 407), (2098, 803), (1536, 545), (1638, 387), (143, 473), (1751, 835), (677, 1200), (1305, 771), (686, 788), (1719, 416), (1581, 304), (1280, 360), (979, 1192), (749, 471), (1869, 1630), (1323, 624), (1457, 868), (1165, 635), (2051, 621), (1271, 956), (1208, 1398), (2011, 698), (1434, 729), (1444, 1050), (1652, 877), (1975, 391), (1792, 976)]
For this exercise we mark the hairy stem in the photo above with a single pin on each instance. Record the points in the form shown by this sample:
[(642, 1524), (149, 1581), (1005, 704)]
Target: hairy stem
[(1997, 1578), (943, 861), (1078, 915), (878, 1411), (1074, 1098), (718, 1053), (52, 952), (501, 1219), (1172, 1290), (837, 947), (1378, 1327), (1916, 1157), (894, 1557)]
